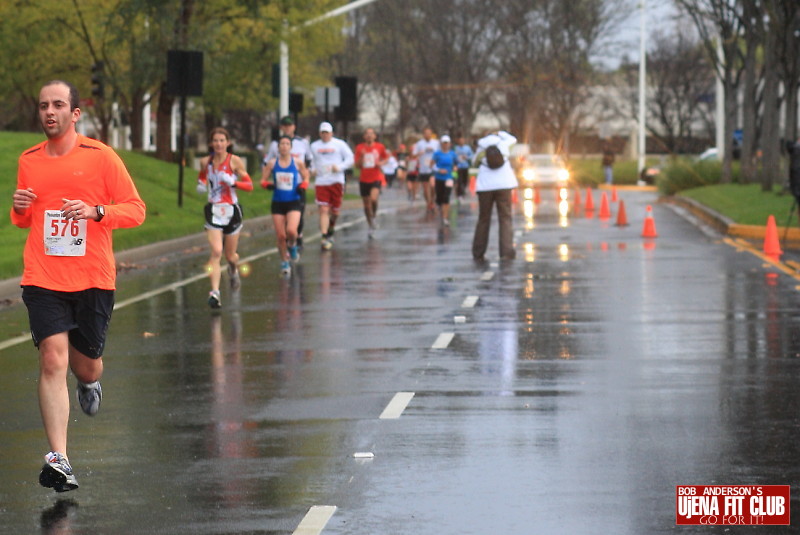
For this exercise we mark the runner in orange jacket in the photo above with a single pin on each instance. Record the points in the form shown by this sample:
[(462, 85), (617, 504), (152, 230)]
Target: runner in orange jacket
[(72, 191)]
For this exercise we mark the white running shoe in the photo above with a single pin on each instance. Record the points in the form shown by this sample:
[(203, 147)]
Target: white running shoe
[(57, 473), (89, 397), (213, 299)]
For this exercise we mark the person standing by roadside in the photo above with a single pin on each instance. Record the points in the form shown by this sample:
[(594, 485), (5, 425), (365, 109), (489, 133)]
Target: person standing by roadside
[(71, 192), (496, 180), (370, 156), (402, 162), (331, 157), (301, 151), (221, 174), (608, 164), (464, 154), (412, 177), (389, 169), (444, 163), (289, 182), (423, 151)]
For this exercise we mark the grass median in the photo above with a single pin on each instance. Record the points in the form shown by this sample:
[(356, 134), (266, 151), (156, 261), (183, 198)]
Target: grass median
[(746, 204), (157, 183)]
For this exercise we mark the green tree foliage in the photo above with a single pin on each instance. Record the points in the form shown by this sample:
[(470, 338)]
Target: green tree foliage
[(239, 39)]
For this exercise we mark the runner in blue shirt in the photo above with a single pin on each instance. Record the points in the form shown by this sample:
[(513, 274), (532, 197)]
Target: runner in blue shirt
[(289, 180), (443, 163)]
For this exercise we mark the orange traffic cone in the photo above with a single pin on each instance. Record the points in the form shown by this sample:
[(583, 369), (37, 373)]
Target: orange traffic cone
[(622, 218), (577, 197), (537, 198), (605, 212), (772, 246), (589, 204), (472, 184), (614, 194), (514, 197), (649, 229)]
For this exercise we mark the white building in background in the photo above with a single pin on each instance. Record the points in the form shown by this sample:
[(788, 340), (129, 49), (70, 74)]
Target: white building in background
[(379, 108), (609, 111)]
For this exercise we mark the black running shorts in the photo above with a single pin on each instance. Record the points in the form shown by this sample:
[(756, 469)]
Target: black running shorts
[(85, 315), (365, 188), (228, 226), (284, 207)]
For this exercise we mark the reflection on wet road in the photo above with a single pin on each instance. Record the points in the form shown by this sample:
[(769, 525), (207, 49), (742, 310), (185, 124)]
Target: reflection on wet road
[(568, 391)]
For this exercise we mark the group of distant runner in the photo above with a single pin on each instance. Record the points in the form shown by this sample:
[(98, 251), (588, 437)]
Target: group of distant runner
[(437, 165)]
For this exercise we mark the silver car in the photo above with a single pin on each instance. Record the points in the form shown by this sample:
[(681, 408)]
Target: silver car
[(543, 170)]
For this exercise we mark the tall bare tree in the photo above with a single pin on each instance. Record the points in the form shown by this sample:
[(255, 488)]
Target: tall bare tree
[(547, 49), (719, 24), (436, 54), (681, 82)]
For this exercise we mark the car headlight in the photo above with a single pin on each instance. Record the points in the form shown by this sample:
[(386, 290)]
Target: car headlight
[(563, 175), (529, 174)]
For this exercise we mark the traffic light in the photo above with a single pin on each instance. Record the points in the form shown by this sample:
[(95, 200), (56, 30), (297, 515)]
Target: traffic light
[(98, 79), (276, 80), (185, 73), (296, 102), (347, 110)]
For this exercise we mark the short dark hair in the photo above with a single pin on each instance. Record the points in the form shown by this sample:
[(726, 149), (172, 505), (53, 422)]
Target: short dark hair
[(74, 98)]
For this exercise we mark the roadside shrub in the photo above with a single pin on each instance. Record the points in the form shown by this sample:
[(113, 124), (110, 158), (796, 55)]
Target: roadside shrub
[(682, 174), (589, 171)]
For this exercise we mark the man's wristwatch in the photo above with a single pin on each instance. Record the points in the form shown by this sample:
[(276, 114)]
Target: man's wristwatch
[(101, 212)]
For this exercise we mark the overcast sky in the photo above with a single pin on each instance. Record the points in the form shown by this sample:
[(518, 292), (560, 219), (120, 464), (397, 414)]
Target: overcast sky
[(660, 15)]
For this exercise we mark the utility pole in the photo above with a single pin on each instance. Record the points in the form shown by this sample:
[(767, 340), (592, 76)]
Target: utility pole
[(642, 86), (284, 48)]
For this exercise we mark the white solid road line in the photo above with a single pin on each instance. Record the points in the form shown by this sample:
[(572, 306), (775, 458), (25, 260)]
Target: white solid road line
[(173, 286), (443, 341), (315, 520), (396, 407)]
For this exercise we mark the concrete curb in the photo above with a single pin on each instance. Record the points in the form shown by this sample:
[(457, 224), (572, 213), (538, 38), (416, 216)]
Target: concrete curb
[(789, 237)]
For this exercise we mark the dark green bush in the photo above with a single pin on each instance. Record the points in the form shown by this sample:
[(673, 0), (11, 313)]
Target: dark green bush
[(684, 173)]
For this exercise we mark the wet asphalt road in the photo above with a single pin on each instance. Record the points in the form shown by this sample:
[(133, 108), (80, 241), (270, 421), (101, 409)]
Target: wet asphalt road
[(566, 392)]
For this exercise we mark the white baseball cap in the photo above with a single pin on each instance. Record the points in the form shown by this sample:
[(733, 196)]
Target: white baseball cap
[(325, 127), (445, 139)]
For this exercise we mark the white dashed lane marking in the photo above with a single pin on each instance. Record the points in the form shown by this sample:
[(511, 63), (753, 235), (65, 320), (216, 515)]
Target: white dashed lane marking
[(443, 340), (315, 520), (469, 301), (396, 407)]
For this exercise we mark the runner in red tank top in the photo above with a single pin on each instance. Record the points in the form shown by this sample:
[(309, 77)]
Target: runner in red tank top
[(221, 174)]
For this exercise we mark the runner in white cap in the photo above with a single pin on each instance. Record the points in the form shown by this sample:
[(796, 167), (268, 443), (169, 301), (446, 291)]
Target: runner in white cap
[(330, 157)]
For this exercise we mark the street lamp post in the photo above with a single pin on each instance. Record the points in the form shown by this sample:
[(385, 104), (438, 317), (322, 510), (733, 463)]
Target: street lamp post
[(284, 48), (642, 87)]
